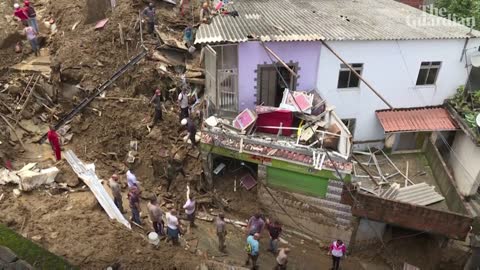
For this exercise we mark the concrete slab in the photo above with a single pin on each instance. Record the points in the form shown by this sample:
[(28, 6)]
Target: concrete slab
[(38, 64)]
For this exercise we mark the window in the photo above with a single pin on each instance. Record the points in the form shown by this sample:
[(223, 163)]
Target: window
[(350, 124), (346, 78), (428, 73)]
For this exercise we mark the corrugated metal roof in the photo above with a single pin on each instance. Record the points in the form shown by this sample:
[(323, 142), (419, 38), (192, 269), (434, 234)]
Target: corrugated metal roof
[(310, 20), (416, 119)]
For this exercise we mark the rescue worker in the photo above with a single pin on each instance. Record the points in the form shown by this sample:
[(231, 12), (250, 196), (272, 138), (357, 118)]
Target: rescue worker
[(134, 200), (155, 214), (157, 103), (54, 142), (191, 129), (205, 13), (221, 231), (189, 207), (116, 192), (20, 13), (32, 15), (183, 103), (149, 15)]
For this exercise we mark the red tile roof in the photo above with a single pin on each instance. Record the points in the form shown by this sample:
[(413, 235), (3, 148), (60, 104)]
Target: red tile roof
[(416, 119)]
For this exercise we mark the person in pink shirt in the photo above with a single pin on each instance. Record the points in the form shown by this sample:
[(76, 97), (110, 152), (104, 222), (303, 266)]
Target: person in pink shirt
[(337, 250), (20, 13)]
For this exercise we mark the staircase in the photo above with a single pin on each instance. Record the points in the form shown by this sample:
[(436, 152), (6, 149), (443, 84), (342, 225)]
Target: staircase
[(331, 203)]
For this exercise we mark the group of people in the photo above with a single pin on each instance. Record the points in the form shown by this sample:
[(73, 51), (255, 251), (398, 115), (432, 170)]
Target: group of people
[(155, 213), (28, 17)]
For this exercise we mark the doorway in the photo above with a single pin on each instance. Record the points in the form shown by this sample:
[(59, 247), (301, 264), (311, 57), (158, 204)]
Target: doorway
[(271, 85)]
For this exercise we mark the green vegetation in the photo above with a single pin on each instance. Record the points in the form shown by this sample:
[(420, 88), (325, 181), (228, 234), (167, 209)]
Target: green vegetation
[(26, 250), (468, 106), (463, 11)]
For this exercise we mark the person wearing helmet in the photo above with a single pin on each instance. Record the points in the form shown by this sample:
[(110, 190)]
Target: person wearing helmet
[(191, 128), (116, 192), (20, 13), (32, 15), (205, 13), (157, 102), (149, 15)]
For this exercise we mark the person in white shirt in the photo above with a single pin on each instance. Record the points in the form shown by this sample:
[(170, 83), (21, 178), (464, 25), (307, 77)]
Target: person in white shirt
[(173, 227), (132, 179), (32, 37), (189, 207), (183, 103)]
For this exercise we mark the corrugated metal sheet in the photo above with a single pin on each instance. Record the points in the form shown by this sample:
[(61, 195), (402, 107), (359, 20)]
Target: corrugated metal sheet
[(310, 20), (87, 174), (420, 194), (416, 119)]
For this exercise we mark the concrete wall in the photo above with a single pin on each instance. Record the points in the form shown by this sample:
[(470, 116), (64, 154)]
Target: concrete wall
[(391, 67), (252, 54), (369, 232), (420, 218), (464, 161), (444, 179)]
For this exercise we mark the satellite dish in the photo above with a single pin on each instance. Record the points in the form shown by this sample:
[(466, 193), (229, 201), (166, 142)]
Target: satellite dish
[(478, 120)]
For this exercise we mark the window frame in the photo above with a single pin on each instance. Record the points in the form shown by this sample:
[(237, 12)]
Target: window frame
[(350, 123), (358, 67), (428, 66)]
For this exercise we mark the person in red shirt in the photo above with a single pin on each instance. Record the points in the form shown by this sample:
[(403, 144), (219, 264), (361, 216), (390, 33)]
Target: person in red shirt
[(54, 142), (20, 13)]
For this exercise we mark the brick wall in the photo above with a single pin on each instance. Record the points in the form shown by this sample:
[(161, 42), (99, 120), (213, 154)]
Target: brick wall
[(405, 215)]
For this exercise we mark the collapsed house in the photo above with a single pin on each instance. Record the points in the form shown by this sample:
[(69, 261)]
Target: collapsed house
[(256, 61)]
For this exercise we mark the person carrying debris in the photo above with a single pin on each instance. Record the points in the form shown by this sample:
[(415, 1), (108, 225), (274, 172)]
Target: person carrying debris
[(282, 259), (274, 229), (32, 37), (221, 231), (32, 15), (134, 200), (183, 103), (205, 13), (252, 249), (189, 207), (20, 13), (337, 250), (149, 15), (255, 224), (157, 103), (116, 192), (173, 227), (155, 214), (191, 129), (52, 137)]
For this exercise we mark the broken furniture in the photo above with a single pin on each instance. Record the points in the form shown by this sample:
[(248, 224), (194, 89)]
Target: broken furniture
[(274, 120)]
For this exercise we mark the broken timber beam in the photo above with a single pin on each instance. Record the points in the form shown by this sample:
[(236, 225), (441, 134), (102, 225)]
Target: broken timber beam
[(365, 169), (280, 60), (396, 168), (13, 130)]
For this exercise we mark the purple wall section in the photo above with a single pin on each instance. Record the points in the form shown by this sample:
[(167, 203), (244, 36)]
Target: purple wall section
[(252, 54)]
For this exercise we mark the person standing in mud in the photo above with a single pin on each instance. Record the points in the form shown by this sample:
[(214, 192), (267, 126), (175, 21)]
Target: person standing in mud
[(134, 200), (32, 15), (155, 214), (157, 103), (31, 35), (337, 250), (221, 231), (189, 207), (183, 103), (54, 142), (116, 192), (173, 227), (149, 15)]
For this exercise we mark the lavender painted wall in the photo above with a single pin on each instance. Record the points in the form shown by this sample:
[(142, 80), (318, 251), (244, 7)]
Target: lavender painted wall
[(251, 54)]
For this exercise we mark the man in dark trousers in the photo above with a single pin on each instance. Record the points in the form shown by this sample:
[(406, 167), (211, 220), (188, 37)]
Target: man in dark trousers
[(32, 15), (157, 103), (191, 128), (134, 200), (274, 229), (149, 15)]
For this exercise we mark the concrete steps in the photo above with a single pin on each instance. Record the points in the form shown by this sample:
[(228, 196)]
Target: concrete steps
[(331, 203)]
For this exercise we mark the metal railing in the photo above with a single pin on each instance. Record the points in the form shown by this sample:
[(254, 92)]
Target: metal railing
[(227, 89)]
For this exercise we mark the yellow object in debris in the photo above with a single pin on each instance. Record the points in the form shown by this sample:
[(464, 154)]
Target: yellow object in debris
[(299, 131)]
